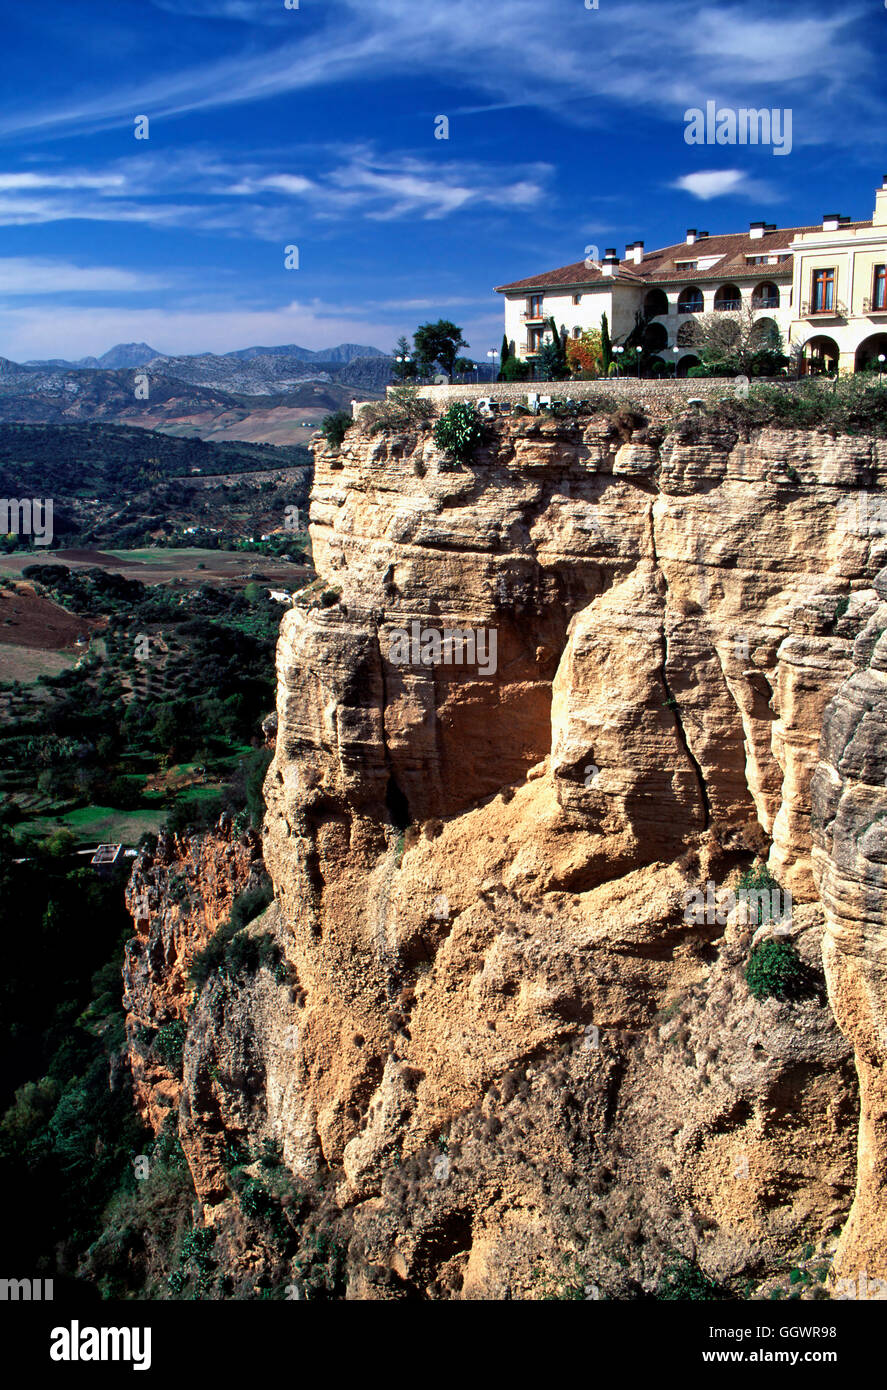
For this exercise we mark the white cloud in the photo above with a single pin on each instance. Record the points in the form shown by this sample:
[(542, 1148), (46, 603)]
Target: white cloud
[(22, 275), (716, 183)]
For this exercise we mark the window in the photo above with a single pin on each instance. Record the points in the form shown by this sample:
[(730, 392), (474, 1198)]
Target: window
[(823, 290), (690, 300), (757, 260), (577, 298), (879, 287), (534, 306), (577, 332), (686, 265)]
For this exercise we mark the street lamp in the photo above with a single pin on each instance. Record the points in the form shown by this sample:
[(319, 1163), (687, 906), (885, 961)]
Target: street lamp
[(492, 353), (403, 358), (881, 360), (676, 350), (617, 352)]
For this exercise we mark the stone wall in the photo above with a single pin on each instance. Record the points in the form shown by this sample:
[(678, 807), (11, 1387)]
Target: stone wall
[(642, 391)]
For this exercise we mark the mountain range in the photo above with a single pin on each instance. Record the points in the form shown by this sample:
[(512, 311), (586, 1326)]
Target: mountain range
[(140, 354)]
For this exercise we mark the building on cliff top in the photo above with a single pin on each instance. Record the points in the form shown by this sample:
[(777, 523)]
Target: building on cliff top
[(824, 287)]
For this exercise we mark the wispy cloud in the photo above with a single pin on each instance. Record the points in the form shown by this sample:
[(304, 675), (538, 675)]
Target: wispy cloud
[(515, 52), (22, 275), (245, 199)]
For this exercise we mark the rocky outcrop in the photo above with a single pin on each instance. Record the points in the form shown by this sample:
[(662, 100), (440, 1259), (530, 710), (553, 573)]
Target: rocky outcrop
[(180, 893), (850, 860), (498, 1034)]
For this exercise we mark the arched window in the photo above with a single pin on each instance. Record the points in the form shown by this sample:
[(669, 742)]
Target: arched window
[(728, 299), (655, 304), (655, 337), (690, 300), (765, 296), (577, 332)]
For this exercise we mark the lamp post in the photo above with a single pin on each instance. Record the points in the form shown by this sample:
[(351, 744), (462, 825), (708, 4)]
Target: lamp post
[(676, 351), (493, 354), (403, 359), (617, 353), (881, 360)]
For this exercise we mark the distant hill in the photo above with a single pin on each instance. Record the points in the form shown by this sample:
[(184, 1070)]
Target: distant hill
[(345, 352), (139, 354), (123, 355)]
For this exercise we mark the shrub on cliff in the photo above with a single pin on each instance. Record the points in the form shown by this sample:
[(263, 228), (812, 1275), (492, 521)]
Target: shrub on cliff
[(334, 427), (683, 1281), (775, 970), (459, 431), (169, 1044), (402, 409), (227, 952)]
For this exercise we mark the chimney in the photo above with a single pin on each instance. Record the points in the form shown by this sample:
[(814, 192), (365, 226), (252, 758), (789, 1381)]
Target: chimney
[(691, 235), (880, 216), (610, 263), (702, 234), (831, 221), (756, 230), (636, 253)]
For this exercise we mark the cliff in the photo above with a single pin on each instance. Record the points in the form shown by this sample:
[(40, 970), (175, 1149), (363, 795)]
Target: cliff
[(500, 1056)]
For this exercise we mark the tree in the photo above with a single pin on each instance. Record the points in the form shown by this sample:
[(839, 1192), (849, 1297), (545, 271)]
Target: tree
[(732, 344), (505, 351), (584, 354), (463, 365), (551, 364), (405, 370), (438, 343), (606, 346), (516, 369)]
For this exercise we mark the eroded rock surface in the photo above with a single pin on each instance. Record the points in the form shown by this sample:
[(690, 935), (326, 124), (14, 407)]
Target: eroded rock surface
[(500, 1037)]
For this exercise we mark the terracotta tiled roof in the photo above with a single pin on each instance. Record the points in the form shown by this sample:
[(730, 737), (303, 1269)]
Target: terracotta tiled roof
[(661, 266)]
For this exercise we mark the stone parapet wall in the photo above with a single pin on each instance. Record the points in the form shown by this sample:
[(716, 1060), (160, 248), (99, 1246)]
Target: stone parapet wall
[(643, 391)]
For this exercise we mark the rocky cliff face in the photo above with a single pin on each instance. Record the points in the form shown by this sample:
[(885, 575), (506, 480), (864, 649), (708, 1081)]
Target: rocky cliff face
[(501, 1047)]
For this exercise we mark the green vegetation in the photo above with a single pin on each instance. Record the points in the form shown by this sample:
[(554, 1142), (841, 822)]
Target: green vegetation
[(437, 345), (402, 409), (169, 1044), (459, 431), (180, 679), (114, 485), (851, 405), (231, 951), (775, 970), (334, 427), (684, 1281)]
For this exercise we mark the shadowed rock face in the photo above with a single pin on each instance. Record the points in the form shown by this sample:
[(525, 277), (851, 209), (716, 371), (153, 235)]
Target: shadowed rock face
[(480, 879), (850, 861)]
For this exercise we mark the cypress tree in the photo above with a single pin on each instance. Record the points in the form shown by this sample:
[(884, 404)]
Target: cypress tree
[(606, 350)]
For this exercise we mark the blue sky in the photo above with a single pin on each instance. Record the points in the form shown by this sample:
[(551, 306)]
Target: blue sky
[(315, 127)]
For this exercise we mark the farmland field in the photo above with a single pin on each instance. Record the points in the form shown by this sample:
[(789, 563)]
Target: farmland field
[(162, 565)]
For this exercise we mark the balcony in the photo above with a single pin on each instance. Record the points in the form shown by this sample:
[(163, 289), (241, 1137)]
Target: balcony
[(765, 303), (728, 306), (532, 316), (869, 306), (529, 349), (837, 311), (692, 306)]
